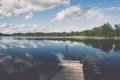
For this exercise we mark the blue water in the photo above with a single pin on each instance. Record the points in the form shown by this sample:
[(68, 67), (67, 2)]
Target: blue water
[(27, 59)]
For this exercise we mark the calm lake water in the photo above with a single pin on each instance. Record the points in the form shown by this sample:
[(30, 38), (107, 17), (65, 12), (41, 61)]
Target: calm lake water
[(61, 59)]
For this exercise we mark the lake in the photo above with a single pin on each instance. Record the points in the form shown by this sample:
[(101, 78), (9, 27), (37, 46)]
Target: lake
[(59, 59)]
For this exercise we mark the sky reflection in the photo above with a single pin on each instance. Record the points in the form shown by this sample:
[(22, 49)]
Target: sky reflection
[(20, 58)]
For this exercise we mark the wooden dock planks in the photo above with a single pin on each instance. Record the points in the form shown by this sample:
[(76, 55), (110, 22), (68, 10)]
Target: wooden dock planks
[(72, 70)]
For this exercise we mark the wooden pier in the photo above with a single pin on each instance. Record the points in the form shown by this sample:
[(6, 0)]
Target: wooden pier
[(72, 70)]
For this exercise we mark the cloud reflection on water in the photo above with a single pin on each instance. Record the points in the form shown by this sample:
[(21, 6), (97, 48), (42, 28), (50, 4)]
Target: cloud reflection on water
[(22, 59), (11, 43)]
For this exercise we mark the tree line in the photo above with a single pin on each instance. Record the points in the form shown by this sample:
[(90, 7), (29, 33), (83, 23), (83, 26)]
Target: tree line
[(104, 30)]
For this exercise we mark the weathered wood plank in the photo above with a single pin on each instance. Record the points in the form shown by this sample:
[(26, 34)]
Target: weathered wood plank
[(72, 70)]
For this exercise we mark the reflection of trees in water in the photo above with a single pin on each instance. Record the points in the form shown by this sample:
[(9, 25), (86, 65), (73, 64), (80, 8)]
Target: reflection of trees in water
[(117, 46), (105, 45), (101, 72), (97, 66)]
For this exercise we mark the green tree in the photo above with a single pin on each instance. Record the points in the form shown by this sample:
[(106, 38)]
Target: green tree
[(117, 30)]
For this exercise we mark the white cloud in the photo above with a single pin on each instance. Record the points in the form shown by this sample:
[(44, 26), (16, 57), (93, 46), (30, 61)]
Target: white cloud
[(113, 8), (24, 28), (68, 13), (16, 7), (92, 13), (103, 18), (76, 12), (4, 14), (97, 14), (30, 15), (2, 25)]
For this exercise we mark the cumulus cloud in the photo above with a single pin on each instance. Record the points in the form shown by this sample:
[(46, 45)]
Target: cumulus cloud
[(103, 18), (97, 14), (24, 28), (16, 7), (28, 16), (92, 13), (76, 12), (68, 13)]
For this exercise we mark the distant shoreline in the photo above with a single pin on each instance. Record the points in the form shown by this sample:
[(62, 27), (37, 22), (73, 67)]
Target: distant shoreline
[(67, 37), (92, 37)]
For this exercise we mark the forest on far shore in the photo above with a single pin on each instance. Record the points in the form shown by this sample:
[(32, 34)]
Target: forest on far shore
[(102, 31)]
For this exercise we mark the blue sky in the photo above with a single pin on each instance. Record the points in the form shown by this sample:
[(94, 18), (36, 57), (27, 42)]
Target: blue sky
[(56, 15)]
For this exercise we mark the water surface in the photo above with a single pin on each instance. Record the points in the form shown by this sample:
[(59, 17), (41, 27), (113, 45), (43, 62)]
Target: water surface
[(44, 59)]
